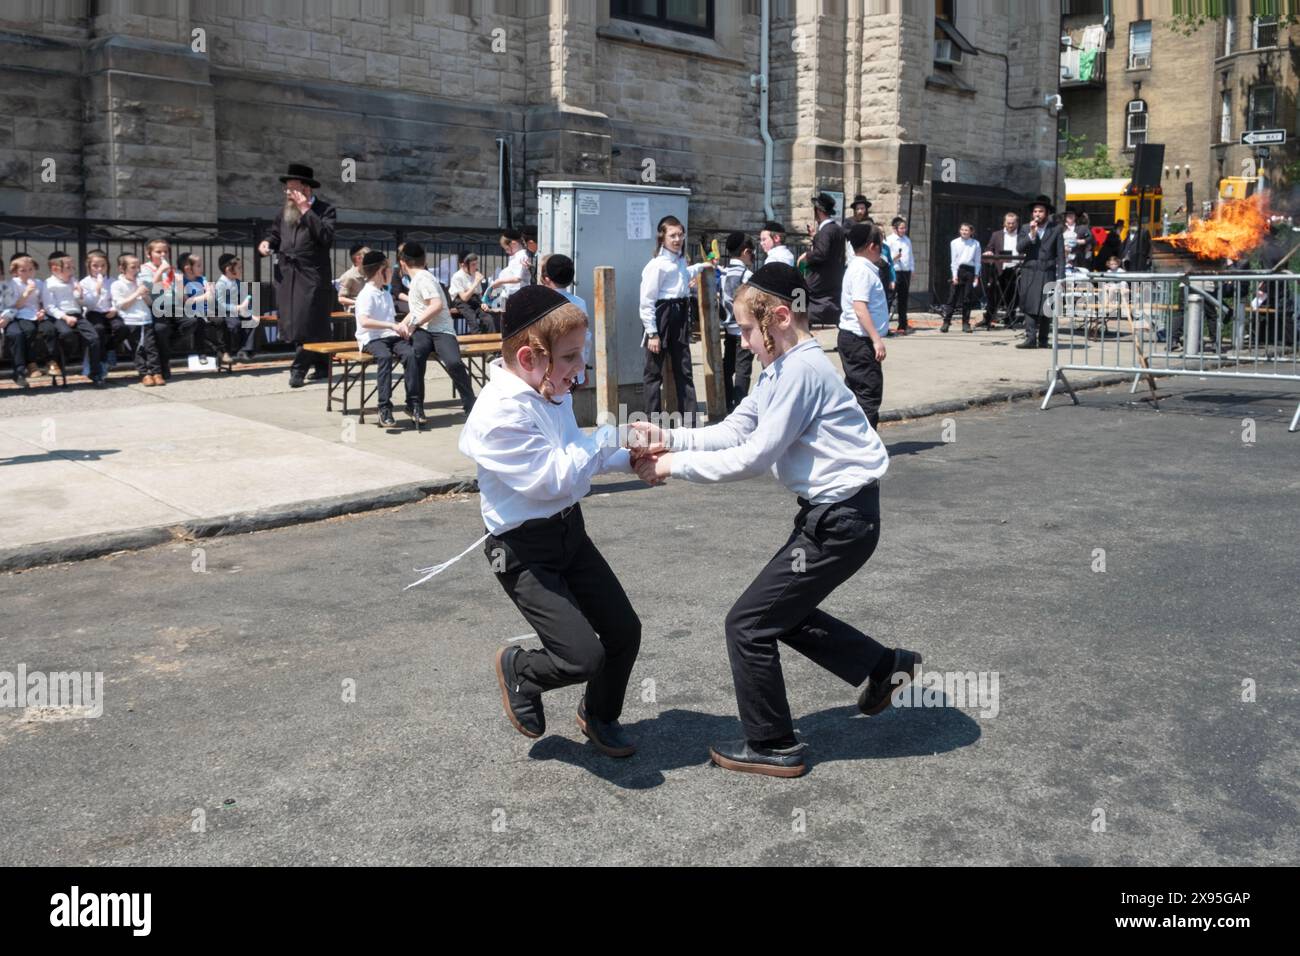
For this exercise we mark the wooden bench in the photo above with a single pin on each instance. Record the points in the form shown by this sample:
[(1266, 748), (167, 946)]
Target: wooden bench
[(475, 350)]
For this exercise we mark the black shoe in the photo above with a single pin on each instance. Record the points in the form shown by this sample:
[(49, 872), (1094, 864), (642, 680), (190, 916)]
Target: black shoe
[(876, 695), (1027, 344), (965, 327), (21, 381), (315, 375), (944, 327), (296, 380), (986, 324), (99, 381), (416, 411), (243, 357), (607, 735), (745, 757), (524, 712), (386, 419)]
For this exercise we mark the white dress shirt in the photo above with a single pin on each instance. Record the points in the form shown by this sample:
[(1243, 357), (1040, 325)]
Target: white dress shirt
[(589, 344), (138, 312), (862, 284), (60, 298), (101, 301), (964, 252), (375, 304), (900, 252), (14, 289), (1010, 243), (666, 276), (801, 422), (533, 460), (516, 268), (780, 253)]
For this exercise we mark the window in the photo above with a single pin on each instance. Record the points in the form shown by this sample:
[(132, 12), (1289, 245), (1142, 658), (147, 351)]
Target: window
[(1139, 45), (1265, 33), (949, 44), (1135, 129), (1225, 118), (688, 16), (1259, 114), (1063, 131), (1229, 29)]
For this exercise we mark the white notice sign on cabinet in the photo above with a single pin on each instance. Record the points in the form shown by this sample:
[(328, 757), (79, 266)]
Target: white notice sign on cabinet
[(638, 218)]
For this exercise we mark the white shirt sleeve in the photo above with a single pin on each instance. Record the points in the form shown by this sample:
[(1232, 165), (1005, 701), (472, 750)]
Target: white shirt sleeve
[(518, 454), (50, 303), (788, 412), (649, 295)]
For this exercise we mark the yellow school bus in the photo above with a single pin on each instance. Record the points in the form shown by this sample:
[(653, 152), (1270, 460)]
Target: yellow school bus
[(1106, 201)]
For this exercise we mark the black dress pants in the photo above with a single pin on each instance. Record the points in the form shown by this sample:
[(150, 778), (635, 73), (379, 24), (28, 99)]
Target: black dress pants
[(569, 595), (830, 542), (862, 373), (672, 320)]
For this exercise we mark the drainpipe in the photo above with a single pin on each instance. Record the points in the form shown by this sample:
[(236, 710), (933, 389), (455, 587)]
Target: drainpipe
[(760, 80)]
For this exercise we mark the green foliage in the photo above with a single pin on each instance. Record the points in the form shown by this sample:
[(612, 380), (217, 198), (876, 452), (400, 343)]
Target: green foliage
[(1190, 15), (1077, 165)]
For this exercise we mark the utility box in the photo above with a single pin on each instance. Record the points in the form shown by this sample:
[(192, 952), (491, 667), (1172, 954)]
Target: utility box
[(608, 224)]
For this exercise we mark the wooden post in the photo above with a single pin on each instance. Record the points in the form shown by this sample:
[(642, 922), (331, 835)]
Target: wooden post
[(715, 396), (605, 315)]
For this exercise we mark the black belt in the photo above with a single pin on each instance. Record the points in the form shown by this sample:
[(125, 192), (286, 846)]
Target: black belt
[(861, 492), (671, 301)]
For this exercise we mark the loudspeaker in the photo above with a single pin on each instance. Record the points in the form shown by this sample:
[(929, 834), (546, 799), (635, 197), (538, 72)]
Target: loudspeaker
[(1148, 160), (911, 163)]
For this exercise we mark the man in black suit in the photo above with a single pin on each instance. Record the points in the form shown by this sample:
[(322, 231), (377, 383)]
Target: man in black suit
[(1003, 246), (1044, 251), (303, 236), (1136, 256), (825, 261)]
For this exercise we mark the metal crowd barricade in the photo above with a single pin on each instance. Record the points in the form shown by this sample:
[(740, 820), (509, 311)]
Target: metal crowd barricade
[(1214, 325)]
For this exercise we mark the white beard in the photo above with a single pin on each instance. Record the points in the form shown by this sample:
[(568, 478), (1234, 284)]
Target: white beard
[(291, 214)]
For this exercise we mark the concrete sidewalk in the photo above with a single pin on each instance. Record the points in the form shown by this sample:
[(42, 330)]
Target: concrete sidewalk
[(88, 472)]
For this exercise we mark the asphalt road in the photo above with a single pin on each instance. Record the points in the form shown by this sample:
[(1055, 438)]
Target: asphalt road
[(1118, 691)]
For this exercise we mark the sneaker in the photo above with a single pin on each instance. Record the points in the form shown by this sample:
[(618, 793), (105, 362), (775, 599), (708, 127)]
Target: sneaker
[(227, 359), (524, 711), (386, 419), (876, 695)]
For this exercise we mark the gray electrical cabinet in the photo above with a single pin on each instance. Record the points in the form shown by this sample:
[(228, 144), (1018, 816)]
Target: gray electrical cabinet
[(609, 224)]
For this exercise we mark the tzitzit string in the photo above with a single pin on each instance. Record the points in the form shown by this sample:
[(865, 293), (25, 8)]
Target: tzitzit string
[(439, 568)]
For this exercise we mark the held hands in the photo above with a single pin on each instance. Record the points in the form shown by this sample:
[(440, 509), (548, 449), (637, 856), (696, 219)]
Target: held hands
[(653, 469), (651, 459)]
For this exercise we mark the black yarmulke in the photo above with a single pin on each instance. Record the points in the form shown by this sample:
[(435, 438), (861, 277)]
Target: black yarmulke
[(780, 280), (530, 304), (859, 234), (373, 258)]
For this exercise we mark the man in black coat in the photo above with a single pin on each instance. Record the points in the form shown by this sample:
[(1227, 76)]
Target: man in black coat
[(1136, 256), (1044, 252), (825, 261), (303, 235)]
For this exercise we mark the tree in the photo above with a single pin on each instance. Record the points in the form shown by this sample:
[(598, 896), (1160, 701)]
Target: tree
[(1077, 165), (1190, 15)]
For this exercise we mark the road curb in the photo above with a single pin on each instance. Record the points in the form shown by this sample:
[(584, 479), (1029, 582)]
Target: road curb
[(98, 545), (993, 398)]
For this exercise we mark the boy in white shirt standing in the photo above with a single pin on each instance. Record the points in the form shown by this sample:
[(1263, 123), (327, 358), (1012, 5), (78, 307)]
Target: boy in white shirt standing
[(772, 239), (737, 361), (864, 321), (666, 318), (64, 321), (801, 423), (900, 251), (534, 467), (432, 331), (964, 260), (381, 335)]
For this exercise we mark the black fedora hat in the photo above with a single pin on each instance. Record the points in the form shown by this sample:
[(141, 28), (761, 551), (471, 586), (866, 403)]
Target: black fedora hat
[(1045, 202), (860, 200), (301, 172)]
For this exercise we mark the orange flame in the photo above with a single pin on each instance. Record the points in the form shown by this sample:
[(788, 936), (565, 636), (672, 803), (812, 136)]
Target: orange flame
[(1237, 228)]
